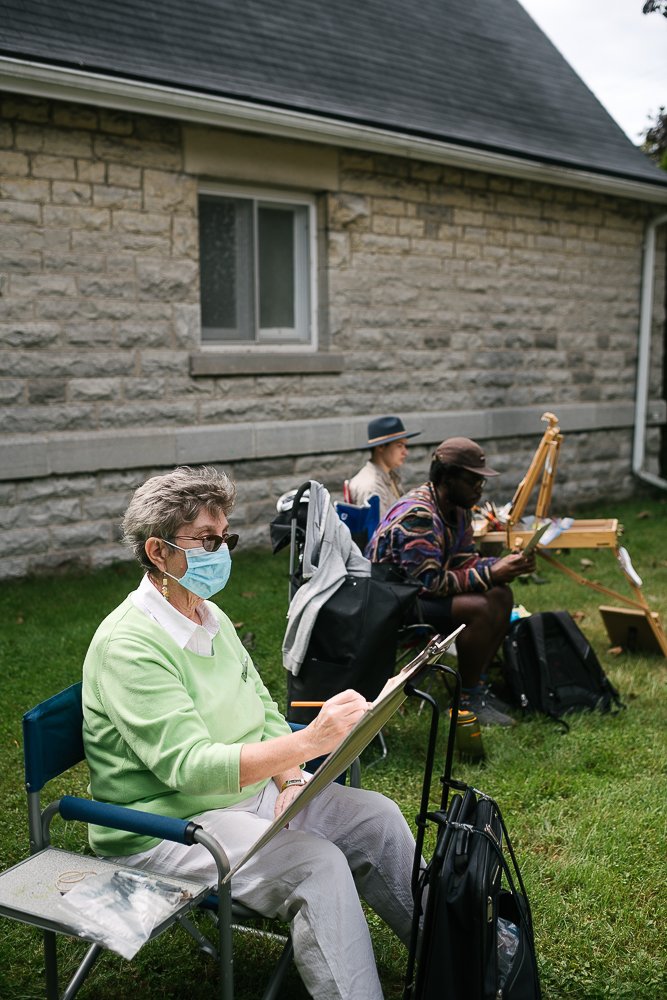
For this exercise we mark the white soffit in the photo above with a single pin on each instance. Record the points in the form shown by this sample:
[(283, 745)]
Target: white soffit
[(38, 80)]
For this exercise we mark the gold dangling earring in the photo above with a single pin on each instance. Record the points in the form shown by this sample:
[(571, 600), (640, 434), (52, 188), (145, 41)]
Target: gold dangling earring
[(165, 588)]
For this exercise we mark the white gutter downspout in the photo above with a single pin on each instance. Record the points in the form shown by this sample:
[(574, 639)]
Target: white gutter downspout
[(643, 356)]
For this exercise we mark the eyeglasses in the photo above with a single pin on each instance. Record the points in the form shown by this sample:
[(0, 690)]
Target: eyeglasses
[(471, 478), (211, 543)]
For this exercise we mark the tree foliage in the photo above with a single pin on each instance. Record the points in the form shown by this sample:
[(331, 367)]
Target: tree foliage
[(659, 5), (655, 139)]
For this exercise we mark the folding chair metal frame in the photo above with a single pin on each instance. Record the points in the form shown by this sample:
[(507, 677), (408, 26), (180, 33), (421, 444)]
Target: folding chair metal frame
[(53, 744)]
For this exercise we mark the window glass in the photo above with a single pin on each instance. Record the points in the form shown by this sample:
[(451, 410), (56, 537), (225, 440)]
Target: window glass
[(255, 270), (276, 268), (226, 253)]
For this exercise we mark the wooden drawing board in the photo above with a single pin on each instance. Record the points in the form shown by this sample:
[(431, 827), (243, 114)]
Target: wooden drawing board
[(633, 630), (390, 698)]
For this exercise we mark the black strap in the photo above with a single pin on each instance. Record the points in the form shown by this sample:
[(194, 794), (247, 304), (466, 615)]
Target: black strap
[(536, 626)]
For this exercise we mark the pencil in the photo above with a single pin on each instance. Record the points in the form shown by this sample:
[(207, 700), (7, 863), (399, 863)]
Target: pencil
[(306, 704)]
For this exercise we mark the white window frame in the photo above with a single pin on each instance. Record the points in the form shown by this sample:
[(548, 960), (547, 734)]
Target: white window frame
[(296, 198)]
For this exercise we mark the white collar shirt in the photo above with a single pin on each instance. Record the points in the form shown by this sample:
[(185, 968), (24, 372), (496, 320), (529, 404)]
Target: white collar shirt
[(185, 633)]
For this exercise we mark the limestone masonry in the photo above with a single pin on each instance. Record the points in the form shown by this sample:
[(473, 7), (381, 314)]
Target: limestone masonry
[(471, 302)]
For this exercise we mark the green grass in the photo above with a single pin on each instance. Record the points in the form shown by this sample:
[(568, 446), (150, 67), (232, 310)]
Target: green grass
[(586, 810)]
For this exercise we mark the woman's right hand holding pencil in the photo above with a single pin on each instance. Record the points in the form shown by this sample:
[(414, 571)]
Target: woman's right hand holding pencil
[(335, 719)]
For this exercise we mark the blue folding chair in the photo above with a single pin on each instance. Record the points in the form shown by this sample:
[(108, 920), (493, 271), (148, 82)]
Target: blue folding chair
[(361, 519), (29, 891)]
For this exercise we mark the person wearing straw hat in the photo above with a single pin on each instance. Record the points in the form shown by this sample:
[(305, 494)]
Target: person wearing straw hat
[(388, 441), (428, 532)]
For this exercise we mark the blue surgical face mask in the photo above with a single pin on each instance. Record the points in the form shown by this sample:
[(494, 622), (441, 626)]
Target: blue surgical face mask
[(207, 572)]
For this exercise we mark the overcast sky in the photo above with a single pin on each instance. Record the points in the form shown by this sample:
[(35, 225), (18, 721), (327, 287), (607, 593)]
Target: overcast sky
[(620, 53)]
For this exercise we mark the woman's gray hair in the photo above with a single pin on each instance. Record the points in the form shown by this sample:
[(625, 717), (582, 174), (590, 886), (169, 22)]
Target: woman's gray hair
[(164, 503)]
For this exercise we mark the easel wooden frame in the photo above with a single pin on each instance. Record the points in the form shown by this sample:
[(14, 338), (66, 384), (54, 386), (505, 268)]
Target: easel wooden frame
[(640, 603), (545, 461), (582, 534)]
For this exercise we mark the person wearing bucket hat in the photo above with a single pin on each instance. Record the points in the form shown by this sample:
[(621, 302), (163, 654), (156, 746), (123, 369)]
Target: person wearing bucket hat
[(388, 441), (428, 532)]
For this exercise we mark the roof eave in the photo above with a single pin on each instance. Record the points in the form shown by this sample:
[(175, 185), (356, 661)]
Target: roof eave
[(83, 87)]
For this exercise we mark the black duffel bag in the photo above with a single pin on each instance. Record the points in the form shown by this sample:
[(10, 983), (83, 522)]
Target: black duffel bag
[(477, 941), (354, 639)]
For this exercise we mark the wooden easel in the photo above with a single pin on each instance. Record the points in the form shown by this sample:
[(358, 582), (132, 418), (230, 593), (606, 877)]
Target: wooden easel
[(544, 461), (636, 619)]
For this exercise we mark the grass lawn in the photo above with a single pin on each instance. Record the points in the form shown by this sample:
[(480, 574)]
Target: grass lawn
[(586, 810)]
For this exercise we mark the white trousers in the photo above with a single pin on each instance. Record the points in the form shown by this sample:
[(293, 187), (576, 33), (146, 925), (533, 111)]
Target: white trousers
[(348, 842)]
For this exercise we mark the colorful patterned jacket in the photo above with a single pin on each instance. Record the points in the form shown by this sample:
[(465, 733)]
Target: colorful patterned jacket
[(414, 535)]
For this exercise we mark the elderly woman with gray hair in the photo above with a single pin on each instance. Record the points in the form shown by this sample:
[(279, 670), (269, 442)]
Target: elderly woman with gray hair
[(177, 721)]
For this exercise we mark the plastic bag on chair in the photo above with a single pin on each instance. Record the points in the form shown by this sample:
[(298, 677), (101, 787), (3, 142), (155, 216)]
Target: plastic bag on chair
[(119, 909)]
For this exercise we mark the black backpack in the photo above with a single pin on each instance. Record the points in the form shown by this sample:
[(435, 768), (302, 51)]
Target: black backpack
[(551, 667), (472, 929), (477, 942)]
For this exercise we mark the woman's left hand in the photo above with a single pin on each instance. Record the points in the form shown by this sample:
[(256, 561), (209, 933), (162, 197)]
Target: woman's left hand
[(286, 798)]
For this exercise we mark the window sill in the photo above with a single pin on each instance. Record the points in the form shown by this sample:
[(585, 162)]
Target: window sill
[(224, 363)]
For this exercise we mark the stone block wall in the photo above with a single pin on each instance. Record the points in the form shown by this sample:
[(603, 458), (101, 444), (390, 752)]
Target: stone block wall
[(483, 289), (468, 303), (99, 270), (62, 523)]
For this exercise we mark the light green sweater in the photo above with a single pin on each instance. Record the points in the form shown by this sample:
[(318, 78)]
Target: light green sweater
[(163, 727)]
